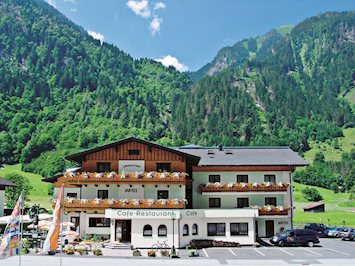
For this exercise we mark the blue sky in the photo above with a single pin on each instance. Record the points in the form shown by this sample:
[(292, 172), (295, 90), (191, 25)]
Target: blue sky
[(187, 33)]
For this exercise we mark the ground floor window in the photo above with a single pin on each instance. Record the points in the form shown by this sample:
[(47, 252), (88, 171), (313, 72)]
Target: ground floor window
[(147, 230), (216, 229), (99, 222), (162, 230), (239, 229), (163, 194), (194, 230), (185, 230)]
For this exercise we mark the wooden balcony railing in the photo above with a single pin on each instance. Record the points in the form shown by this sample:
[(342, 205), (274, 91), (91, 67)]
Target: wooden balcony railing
[(128, 178), (244, 187), (73, 204), (273, 210)]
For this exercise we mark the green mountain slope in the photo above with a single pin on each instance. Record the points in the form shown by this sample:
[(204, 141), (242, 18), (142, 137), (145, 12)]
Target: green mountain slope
[(61, 90), (294, 81)]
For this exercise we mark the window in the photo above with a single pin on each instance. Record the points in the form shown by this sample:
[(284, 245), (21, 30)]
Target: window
[(270, 201), (270, 178), (133, 152), (185, 230), (72, 195), (163, 167), (99, 222), (214, 178), (102, 194), (163, 194), (147, 230), (194, 230), (103, 167), (214, 202), (216, 229), (162, 231), (242, 178), (239, 229), (242, 202)]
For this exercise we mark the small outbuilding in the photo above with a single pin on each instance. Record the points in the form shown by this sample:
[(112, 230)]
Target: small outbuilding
[(314, 207), (3, 184)]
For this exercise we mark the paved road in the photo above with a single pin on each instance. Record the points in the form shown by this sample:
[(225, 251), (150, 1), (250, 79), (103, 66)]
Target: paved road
[(330, 252)]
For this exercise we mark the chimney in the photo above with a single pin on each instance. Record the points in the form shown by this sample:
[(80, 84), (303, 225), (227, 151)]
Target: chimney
[(220, 147)]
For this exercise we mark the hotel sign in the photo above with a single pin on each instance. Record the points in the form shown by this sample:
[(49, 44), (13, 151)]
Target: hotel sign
[(141, 214), (131, 166)]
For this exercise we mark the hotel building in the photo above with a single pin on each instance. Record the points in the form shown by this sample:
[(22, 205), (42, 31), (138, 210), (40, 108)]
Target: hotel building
[(139, 192)]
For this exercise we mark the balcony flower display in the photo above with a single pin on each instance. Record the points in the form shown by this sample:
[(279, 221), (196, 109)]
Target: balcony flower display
[(138, 175), (273, 210), (98, 201), (135, 202), (150, 202), (244, 187), (124, 175), (99, 175), (111, 201), (163, 175), (83, 201), (151, 175), (111, 175), (176, 175), (70, 200), (176, 201), (86, 175), (124, 201), (162, 201)]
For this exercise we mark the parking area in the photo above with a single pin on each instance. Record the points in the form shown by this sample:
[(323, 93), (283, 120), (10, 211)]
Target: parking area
[(328, 249)]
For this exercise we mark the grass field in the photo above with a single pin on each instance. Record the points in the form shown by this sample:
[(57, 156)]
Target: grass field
[(346, 143), (39, 192), (338, 208)]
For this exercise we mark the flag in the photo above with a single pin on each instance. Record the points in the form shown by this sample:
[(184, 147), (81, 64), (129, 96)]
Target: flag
[(10, 241), (51, 242)]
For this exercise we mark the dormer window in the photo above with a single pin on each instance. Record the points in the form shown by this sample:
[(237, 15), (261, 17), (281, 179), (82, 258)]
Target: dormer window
[(133, 152)]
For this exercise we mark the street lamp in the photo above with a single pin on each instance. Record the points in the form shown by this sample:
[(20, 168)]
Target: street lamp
[(173, 218)]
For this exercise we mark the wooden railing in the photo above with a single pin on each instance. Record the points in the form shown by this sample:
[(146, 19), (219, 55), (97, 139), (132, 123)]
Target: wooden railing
[(244, 187), (272, 210), (127, 178), (72, 204)]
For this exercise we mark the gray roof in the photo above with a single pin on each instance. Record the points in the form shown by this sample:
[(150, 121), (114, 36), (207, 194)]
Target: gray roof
[(244, 156), (6, 183)]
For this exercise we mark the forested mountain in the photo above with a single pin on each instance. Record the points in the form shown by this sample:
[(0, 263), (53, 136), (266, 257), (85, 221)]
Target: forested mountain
[(287, 92), (62, 91)]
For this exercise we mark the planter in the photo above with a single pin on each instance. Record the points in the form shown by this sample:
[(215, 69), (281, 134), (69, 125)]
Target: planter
[(193, 253), (136, 253), (151, 253)]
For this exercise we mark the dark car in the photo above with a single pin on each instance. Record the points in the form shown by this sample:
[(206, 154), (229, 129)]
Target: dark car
[(319, 228), (297, 237)]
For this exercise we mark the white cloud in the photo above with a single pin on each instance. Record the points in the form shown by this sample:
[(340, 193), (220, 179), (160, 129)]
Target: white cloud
[(154, 25), (140, 8), (159, 5), (52, 3), (70, 1), (96, 35), (73, 10), (173, 61)]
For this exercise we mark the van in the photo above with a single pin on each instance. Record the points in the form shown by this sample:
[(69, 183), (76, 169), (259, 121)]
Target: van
[(297, 237)]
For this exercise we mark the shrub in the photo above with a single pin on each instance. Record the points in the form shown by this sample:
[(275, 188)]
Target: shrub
[(334, 187), (151, 253), (352, 193), (136, 253), (311, 194), (97, 252)]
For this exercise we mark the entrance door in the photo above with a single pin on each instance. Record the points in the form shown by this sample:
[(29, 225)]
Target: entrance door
[(123, 230), (269, 228)]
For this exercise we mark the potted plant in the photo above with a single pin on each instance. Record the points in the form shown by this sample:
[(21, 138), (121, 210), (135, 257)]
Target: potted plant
[(136, 253), (81, 251), (193, 253), (69, 251), (97, 252), (173, 253), (164, 253), (151, 253)]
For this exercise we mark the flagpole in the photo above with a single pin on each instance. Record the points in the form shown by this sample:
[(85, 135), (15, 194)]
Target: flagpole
[(22, 205), (61, 227)]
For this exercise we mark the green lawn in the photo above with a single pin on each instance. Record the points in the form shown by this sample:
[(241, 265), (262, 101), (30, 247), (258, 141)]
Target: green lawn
[(39, 192), (346, 143), (338, 208)]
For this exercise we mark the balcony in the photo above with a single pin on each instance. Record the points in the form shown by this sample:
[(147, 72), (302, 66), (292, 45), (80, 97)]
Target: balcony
[(154, 178), (244, 187), (273, 210), (74, 204)]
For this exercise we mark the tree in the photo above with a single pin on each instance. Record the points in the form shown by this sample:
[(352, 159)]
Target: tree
[(334, 187), (12, 193), (319, 157), (352, 193), (311, 194)]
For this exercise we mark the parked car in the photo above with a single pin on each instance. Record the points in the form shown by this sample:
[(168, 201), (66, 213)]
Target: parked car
[(348, 233), (319, 228), (333, 231), (297, 237)]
